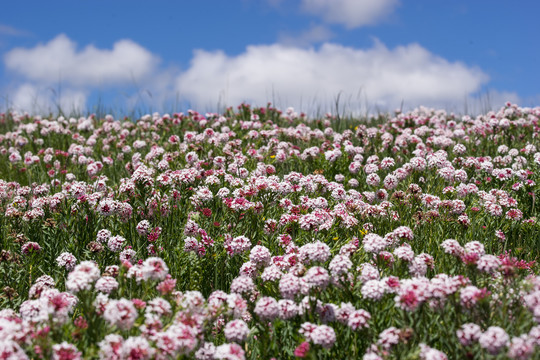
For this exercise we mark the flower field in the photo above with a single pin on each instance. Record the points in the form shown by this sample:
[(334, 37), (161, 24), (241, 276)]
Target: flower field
[(260, 234)]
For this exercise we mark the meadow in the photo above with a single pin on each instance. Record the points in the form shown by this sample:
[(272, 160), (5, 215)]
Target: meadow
[(266, 234)]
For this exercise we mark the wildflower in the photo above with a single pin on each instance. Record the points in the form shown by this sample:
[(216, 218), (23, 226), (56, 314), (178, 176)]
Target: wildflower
[(242, 284), (302, 350), (521, 348), (236, 330), (206, 351), (373, 289), (373, 243), (468, 334), (389, 337), (30, 247), (230, 351), (116, 243), (287, 309), (470, 295), (103, 236), (66, 351), (404, 252), (390, 182), (266, 308), (314, 252), (340, 264), (154, 268), (368, 272), (260, 255), (66, 260), (488, 263), (143, 227), (373, 179), (494, 339), (514, 214), (121, 313), (404, 232), (166, 286), (428, 353), (137, 348), (323, 335), (271, 273), (11, 350), (237, 245), (106, 284), (127, 254), (358, 319)]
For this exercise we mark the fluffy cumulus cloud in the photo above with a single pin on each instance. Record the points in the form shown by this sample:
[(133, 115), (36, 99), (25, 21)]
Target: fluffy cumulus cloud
[(290, 76), (286, 74), (57, 73), (59, 59), (351, 13), (37, 99)]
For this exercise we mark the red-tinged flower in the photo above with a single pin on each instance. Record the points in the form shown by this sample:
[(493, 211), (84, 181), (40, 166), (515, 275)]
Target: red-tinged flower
[(66, 351), (138, 303), (154, 235), (207, 212), (470, 258), (81, 323), (166, 286), (30, 248), (302, 350)]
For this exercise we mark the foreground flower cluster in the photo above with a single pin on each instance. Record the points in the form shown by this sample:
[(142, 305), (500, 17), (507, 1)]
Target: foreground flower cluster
[(264, 234)]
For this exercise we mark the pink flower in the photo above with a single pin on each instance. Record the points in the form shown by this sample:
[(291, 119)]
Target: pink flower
[(428, 353), (358, 319), (468, 334), (260, 255), (266, 308), (374, 243), (289, 286), (9, 349), (242, 285), (106, 284), (389, 337), (488, 263), (302, 350), (121, 313), (317, 277), (154, 268), (236, 330), (116, 243), (494, 339), (66, 351), (521, 348), (137, 348), (470, 295), (230, 351), (66, 260), (30, 247), (323, 335), (287, 309)]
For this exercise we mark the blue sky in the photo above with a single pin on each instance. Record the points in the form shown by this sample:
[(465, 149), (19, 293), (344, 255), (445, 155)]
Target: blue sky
[(172, 55)]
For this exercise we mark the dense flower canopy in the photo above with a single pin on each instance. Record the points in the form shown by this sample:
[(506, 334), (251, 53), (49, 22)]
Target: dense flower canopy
[(258, 233)]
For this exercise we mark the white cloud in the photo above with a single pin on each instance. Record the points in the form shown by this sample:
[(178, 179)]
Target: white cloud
[(292, 76), (37, 99), (309, 79), (314, 35), (59, 61), (351, 13)]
